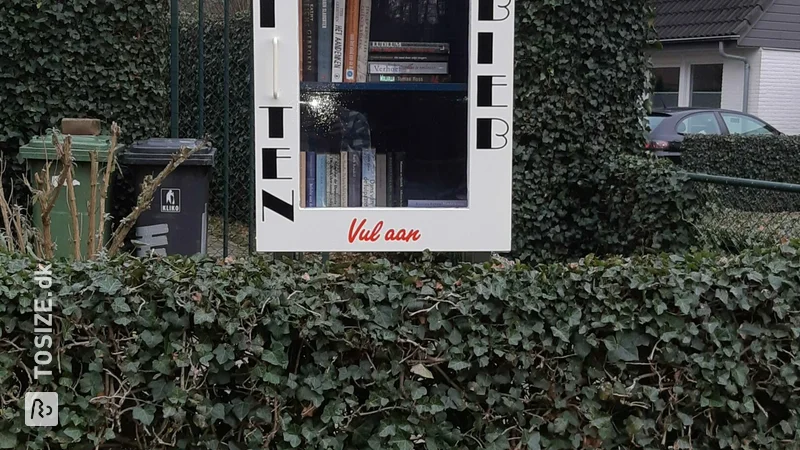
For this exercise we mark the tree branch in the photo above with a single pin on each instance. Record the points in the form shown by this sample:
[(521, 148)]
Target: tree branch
[(110, 164)]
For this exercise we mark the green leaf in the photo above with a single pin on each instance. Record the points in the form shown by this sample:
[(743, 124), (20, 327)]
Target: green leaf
[(534, 441), (422, 371), (151, 339), (419, 393), (201, 317), (218, 411), (622, 348), (144, 415), (73, 433), (7, 440), (293, 439), (458, 365)]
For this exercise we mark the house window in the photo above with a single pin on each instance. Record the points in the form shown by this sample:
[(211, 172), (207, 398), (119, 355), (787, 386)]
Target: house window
[(667, 87), (707, 85)]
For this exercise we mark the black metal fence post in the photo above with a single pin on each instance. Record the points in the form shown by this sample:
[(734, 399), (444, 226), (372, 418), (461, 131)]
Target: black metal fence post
[(174, 43), (227, 129)]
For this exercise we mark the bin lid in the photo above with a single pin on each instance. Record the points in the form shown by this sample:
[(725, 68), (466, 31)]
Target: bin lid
[(42, 148), (159, 151)]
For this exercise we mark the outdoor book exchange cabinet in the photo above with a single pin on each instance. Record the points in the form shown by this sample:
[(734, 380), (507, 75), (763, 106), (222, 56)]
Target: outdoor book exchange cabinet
[(383, 125)]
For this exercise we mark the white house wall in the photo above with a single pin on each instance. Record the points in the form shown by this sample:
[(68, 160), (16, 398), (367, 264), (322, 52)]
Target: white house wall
[(779, 97), (685, 56)]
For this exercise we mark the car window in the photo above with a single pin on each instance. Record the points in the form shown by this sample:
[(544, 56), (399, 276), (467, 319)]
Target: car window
[(739, 124), (701, 123), (654, 121)]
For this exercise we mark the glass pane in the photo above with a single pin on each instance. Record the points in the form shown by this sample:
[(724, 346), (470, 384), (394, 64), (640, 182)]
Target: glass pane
[(703, 123), (738, 124), (707, 85), (667, 79), (654, 121), (384, 107), (707, 99), (662, 100)]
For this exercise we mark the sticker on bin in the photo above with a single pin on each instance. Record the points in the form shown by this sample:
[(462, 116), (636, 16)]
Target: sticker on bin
[(170, 200)]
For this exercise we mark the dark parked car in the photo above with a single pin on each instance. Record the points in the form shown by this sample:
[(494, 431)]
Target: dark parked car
[(668, 126)]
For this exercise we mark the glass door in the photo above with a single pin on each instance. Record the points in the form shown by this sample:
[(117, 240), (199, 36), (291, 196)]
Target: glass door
[(383, 103)]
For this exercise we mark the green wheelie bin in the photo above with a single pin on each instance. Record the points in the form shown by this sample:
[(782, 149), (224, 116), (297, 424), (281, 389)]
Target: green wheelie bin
[(37, 153)]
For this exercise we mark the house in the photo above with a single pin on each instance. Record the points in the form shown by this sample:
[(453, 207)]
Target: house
[(742, 55)]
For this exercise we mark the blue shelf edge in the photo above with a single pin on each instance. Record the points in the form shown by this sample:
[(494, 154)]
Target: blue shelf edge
[(419, 87)]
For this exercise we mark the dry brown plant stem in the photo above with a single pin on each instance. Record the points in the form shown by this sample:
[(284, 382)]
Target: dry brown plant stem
[(71, 202), (92, 206), (110, 164)]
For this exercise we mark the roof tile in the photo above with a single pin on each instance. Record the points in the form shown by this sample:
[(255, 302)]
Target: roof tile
[(680, 19)]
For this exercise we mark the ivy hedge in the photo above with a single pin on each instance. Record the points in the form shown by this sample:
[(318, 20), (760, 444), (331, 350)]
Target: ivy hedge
[(581, 68), (771, 158), (659, 351), (241, 54), (83, 58)]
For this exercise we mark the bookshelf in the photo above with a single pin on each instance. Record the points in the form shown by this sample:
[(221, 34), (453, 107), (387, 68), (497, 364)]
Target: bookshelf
[(383, 124)]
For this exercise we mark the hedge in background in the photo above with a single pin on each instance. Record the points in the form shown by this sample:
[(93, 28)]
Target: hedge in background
[(652, 352), (241, 47), (83, 58), (771, 158)]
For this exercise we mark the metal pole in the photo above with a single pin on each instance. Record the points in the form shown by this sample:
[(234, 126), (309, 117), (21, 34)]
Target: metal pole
[(251, 221), (174, 68), (744, 182), (226, 139), (201, 68)]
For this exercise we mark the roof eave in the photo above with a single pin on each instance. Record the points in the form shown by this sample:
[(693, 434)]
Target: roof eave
[(733, 37)]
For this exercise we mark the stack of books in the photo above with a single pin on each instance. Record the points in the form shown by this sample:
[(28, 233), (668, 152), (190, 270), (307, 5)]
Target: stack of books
[(350, 179), (409, 62), (335, 47)]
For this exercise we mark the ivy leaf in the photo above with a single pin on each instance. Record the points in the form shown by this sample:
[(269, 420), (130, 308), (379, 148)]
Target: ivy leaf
[(144, 415), (622, 348), (422, 371), (534, 441), (74, 433), (8, 440), (201, 316)]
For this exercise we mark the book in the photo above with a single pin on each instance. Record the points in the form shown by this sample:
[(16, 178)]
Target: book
[(324, 40), (368, 194), (412, 57), (309, 40), (398, 181), (344, 178), (351, 41), (334, 180), (300, 35), (354, 178), (311, 179), (303, 198), (337, 55), (322, 182), (383, 78), (408, 68), (437, 203), (408, 47), (365, 20), (390, 175), (380, 180)]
